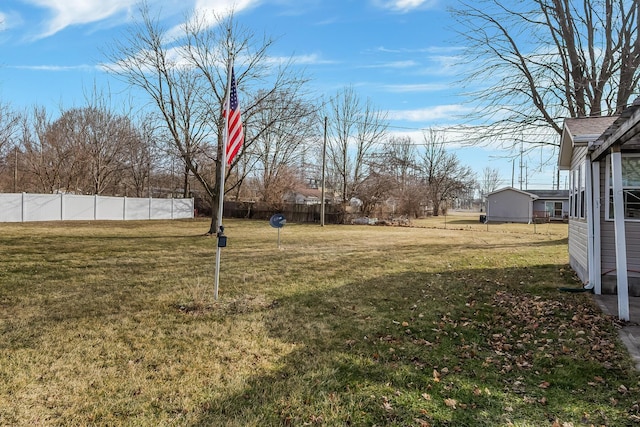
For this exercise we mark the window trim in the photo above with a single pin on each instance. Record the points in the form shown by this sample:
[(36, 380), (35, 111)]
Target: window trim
[(608, 190), (577, 190), (582, 190)]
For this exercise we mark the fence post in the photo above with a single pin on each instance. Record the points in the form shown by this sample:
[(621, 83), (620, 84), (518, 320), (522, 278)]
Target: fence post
[(124, 208), (61, 206), (24, 208), (95, 207)]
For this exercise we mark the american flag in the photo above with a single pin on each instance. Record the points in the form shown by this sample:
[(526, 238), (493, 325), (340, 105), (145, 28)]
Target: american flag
[(234, 124)]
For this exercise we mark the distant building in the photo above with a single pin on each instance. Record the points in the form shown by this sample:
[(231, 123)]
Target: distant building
[(512, 205), (303, 196)]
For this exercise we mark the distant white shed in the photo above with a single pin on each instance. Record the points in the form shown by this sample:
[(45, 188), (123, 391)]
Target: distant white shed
[(510, 205)]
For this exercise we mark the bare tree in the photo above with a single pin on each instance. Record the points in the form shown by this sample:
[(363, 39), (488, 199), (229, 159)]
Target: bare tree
[(375, 189), (490, 181), (185, 76), (9, 124), (538, 61), (283, 144), (9, 146), (354, 129), (393, 174), (444, 176), (140, 157), (402, 157), (51, 155), (81, 151)]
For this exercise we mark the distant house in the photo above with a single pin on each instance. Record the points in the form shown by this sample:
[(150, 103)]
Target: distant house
[(512, 205), (303, 196), (550, 205), (602, 155)]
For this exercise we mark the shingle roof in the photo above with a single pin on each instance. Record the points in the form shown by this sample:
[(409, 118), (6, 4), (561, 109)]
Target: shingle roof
[(588, 127), (550, 194), (537, 194)]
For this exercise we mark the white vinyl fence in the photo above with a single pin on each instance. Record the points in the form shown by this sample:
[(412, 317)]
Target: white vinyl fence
[(24, 207)]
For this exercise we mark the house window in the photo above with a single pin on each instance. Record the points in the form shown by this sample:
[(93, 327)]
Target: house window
[(630, 187), (553, 209), (571, 194), (583, 182), (576, 193)]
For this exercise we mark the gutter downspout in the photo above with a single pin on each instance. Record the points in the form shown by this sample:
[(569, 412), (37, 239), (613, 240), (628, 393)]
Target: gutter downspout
[(590, 222), (597, 235)]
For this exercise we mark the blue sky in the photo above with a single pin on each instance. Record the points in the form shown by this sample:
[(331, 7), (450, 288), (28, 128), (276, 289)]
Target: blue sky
[(402, 54)]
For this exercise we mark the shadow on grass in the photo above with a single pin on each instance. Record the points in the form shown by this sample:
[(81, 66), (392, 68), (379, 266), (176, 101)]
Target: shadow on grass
[(459, 348)]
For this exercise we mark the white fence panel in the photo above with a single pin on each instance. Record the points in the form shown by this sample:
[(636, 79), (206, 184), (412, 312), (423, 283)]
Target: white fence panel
[(78, 208), (42, 207), (137, 209), (109, 208), (164, 210), (10, 207), (182, 208), (54, 207)]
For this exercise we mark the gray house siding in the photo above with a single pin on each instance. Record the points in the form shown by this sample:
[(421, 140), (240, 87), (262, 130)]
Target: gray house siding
[(578, 230), (608, 240), (508, 206), (578, 249)]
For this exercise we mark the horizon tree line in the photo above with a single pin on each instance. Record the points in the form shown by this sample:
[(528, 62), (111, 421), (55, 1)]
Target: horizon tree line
[(523, 90)]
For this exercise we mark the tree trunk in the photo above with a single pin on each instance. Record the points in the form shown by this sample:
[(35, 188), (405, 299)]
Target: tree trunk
[(185, 188)]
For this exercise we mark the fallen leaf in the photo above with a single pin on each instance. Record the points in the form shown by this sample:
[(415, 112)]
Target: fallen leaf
[(544, 384), (451, 403), (386, 405)]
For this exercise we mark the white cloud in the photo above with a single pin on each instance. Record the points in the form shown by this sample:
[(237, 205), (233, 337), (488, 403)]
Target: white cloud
[(53, 67), (430, 114), (429, 49), (394, 64), (209, 12), (9, 20), (225, 5), (73, 12), (404, 6), (422, 87), (311, 59)]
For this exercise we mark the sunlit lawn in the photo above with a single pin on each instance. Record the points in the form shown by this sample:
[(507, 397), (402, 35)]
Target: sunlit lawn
[(114, 323)]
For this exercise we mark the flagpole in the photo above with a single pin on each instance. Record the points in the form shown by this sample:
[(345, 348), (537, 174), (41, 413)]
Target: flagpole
[(223, 167)]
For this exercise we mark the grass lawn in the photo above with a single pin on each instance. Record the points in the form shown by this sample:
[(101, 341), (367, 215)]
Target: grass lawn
[(114, 323)]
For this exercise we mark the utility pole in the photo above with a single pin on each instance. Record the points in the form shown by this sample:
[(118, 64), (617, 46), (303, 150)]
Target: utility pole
[(15, 170), (513, 171), (521, 177), (324, 159)]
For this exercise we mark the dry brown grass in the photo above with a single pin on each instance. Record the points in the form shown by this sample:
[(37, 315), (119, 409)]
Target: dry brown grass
[(114, 324)]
